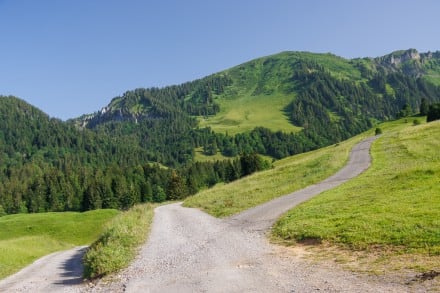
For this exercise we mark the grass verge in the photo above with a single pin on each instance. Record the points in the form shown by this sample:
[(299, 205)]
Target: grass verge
[(27, 237), (392, 210), (288, 175), (117, 245)]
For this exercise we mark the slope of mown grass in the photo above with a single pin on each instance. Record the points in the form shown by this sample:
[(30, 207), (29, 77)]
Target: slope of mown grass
[(245, 112), (394, 205), (288, 175), (27, 237), (117, 245)]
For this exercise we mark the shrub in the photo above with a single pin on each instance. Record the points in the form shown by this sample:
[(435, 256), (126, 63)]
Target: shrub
[(433, 112), (378, 131)]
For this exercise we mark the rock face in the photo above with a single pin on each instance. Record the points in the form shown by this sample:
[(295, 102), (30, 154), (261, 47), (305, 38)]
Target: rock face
[(409, 61), (109, 113), (411, 54)]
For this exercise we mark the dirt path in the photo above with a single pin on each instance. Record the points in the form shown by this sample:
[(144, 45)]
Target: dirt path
[(190, 251)]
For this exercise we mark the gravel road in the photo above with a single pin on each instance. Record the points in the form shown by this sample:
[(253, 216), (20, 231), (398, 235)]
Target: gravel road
[(190, 251), (263, 216), (56, 272)]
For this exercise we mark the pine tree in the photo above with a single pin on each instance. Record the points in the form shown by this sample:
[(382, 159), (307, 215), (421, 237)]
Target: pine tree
[(176, 187)]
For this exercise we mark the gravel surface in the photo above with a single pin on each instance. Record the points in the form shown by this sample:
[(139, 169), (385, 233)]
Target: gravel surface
[(56, 272), (190, 251)]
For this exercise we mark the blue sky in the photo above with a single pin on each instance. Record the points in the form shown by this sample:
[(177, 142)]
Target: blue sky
[(72, 57)]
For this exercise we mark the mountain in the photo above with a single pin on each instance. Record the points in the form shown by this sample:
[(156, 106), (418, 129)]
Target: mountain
[(276, 79), (141, 146), (320, 98)]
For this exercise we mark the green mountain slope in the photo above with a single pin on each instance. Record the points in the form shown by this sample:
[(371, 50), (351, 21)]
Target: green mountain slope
[(277, 105), (257, 93)]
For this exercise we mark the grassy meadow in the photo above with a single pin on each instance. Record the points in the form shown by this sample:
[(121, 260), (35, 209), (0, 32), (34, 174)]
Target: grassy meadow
[(27, 237), (392, 209), (245, 112)]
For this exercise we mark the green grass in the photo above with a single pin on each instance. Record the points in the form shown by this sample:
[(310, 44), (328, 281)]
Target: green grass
[(395, 204), (27, 237), (246, 112), (200, 157), (288, 175), (117, 245)]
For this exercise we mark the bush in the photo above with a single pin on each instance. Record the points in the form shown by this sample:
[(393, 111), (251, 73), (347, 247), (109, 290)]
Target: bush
[(117, 245), (433, 112), (416, 122), (378, 131)]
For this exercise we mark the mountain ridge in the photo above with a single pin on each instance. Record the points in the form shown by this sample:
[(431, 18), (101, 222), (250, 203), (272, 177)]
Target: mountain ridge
[(257, 76)]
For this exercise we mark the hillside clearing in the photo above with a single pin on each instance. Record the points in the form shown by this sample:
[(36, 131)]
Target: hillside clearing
[(246, 112)]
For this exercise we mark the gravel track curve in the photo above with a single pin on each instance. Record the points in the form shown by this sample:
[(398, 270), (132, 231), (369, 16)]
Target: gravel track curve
[(191, 251)]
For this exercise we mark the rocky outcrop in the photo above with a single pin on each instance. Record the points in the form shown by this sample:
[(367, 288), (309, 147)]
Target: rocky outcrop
[(397, 58), (408, 61)]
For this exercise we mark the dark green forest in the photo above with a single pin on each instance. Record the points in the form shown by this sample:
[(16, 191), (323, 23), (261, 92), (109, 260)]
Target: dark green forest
[(141, 147)]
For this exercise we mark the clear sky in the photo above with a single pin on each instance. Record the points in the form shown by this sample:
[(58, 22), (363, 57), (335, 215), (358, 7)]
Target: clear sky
[(71, 57)]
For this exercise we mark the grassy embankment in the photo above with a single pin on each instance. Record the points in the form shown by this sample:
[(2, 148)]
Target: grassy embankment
[(288, 175), (389, 216), (27, 237), (116, 247)]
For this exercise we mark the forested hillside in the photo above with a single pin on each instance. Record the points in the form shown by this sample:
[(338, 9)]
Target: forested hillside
[(50, 165), (141, 146)]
